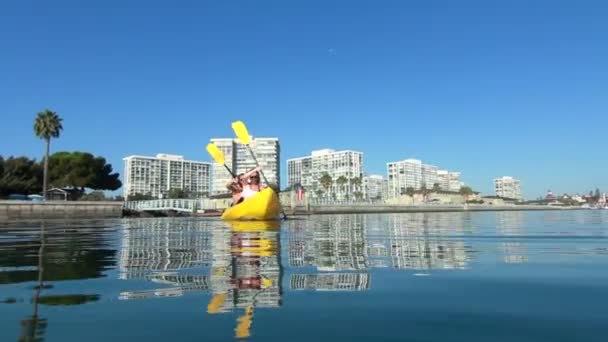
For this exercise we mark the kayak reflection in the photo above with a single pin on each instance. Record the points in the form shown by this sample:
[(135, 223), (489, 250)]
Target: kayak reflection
[(251, 275)]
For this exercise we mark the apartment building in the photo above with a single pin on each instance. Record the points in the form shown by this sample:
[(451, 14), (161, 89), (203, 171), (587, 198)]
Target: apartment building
[(415, 174), (449, 181), (508, 187), (239, 160), (339, 165), (373, 186), (156, 176)]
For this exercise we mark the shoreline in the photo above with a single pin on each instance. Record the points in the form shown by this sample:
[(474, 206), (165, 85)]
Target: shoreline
[(388, 209), (62, 209), (59, 209)]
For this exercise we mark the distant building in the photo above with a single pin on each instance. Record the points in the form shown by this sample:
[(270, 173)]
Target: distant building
[(412, 173), (449, 181), (508, 187), (385, 189), (372, 186), (307, 171), (156, 176), (238, 158)]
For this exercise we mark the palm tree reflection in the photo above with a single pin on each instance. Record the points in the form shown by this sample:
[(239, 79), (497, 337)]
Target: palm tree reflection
[(33, 327)]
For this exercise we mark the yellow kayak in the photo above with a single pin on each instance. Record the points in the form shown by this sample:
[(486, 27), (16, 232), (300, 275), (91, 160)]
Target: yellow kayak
[(262, 206), (255, 226)]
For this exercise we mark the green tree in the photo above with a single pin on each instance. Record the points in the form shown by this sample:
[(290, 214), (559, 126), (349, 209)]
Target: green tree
[(20, 175), (319, 192), (177, 193), (96, 195), (436, 187), (358, 195), (47, 126), (140, 197), (466, 192), (410, 191), (82, 170), (71, 299), (326, 181)]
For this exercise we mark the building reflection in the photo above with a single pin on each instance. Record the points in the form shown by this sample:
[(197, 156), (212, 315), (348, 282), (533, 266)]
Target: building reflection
[(237, 263), (419, 241), (159, 250), (330, 281), (510, 225)]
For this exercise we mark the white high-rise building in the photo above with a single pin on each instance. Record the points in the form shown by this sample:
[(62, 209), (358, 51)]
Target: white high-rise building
[(155, 176), (402, 175), (372, 186), (429, 175), (412, 173), (449, 181), (238, 158), (307, 171), (508, 187)]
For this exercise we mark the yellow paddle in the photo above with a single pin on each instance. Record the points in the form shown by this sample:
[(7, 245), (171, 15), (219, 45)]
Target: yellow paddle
[(216, 303), (243, 328), (218, 156), (241, 132)]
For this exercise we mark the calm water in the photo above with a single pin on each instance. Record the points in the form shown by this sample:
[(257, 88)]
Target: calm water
[(506, 276)]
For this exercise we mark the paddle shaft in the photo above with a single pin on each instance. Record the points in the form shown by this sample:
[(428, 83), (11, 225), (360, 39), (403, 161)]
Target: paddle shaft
[(232, 173), (264, 176), (257, 164)]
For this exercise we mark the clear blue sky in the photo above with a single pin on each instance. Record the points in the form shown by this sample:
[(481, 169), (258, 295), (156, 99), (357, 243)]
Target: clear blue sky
[(488, 88)]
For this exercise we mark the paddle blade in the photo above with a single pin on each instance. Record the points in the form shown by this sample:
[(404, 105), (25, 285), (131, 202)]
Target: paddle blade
[(215, 153), (243, 327), (241, 132), (216, 303)]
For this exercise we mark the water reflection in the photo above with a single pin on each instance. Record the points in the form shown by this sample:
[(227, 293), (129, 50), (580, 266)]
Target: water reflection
[(249, 276), (33, 327), (239, 263), (359, 242), (157, 249), (74, 250), (511, 224), (238, 269), (44, 252)]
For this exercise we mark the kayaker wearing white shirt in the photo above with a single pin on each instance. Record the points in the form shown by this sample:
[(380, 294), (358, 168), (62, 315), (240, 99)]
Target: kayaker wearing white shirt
[(251, 183)]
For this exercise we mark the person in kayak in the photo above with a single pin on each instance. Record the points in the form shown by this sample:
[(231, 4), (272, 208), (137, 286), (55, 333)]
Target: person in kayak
[(251, 184), (236, 189), (244, 186)]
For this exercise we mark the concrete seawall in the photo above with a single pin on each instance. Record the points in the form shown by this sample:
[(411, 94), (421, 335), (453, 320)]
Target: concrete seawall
[(58, 209), (351, 209)]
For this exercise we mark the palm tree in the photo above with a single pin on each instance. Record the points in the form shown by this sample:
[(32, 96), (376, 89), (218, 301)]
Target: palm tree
[(356, 183), (341, 181), (47, 126), (326, 181), (424, 191)]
